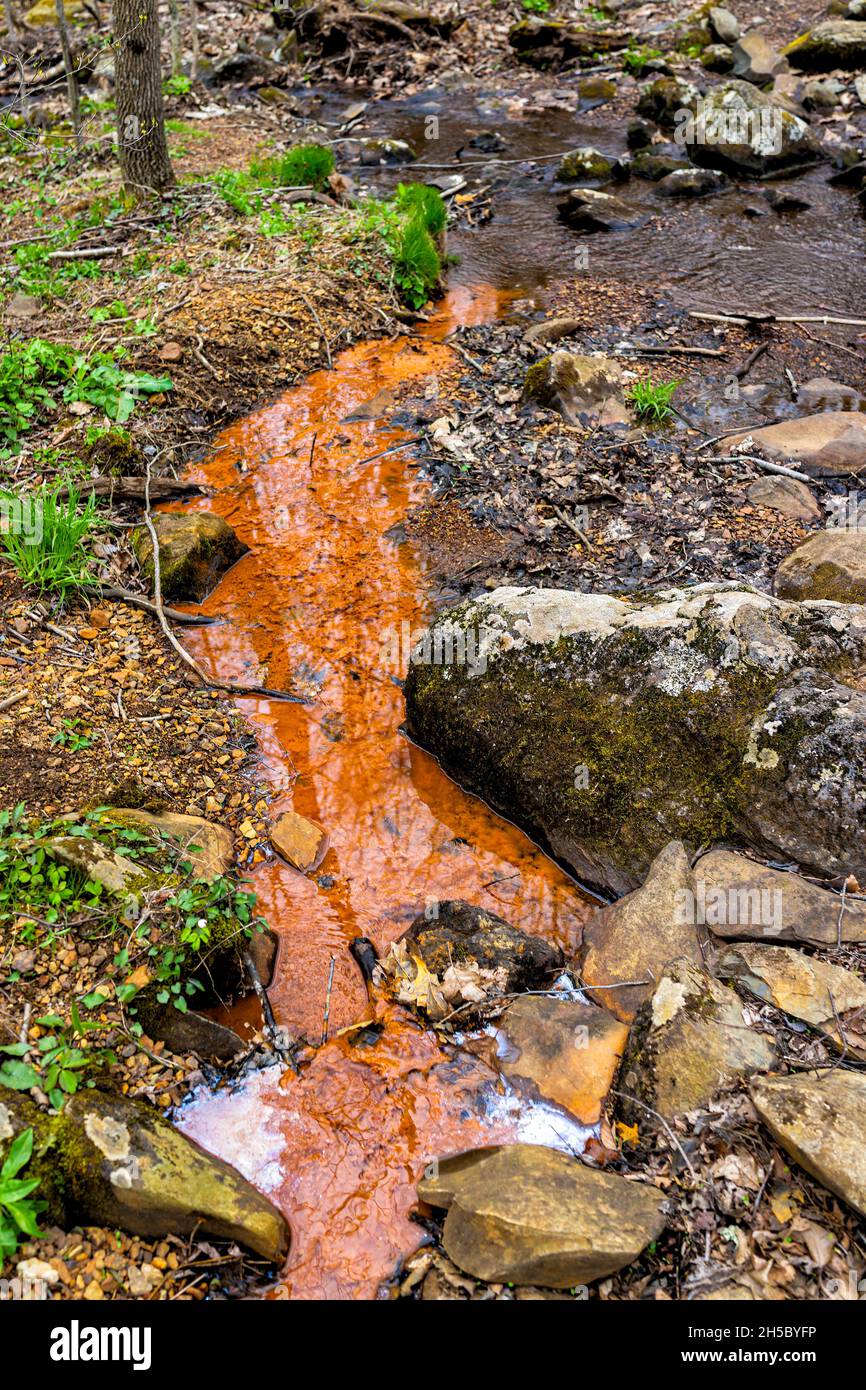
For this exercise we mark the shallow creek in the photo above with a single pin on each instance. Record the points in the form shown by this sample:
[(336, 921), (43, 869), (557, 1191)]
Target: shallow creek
[(317, 604)]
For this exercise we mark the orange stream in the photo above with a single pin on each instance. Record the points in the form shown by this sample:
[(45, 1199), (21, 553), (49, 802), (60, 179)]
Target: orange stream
[(315, 605)]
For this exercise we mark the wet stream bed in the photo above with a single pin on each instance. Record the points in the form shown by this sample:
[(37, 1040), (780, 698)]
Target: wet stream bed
[(325, 603)]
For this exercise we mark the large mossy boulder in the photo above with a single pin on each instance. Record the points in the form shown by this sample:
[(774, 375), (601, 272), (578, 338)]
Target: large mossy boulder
[(110, 1161), (195, 551), (836, 43), (608, 726), (740, 129)]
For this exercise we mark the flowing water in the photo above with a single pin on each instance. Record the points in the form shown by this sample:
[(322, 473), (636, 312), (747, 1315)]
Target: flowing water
[(326, 594)]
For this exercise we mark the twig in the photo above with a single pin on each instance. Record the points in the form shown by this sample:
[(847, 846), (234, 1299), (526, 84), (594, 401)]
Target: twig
[(327, 1014), (277, 1036), (767, 466), (315, 315), (623, 1095), (12, 700), (117, 595)]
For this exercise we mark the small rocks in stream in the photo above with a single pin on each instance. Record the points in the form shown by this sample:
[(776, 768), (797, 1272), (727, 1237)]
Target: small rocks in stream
[(744, 130), (456, 955), (825, 996), (195, 551), (785, 495), (588, 166), (633, 939), (590, 210), (301, 842), (783, 200), (836, 43), (691, 1040), (692, 183), (821, 1122), (647, 165), (828, 565), (756, 60), (665, 99), (576, 386), (828, 444), (568, 1050), (530, 1215)]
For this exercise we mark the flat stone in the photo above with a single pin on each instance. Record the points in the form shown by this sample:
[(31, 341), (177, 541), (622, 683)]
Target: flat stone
[(531, 1215), (785, 495), (301, 842), (442, 1176), (756, 60), (829, 444), (552, 330), (647, 165), (590, 210), (828, 565), (98, 862), (836, 43), (195, 551), (822, 393), (825, 996), (692, 183), (741, 900), (689, 1041), (821, 1123), (568, 1050), (634, 938), (577, 386), (209, 847)]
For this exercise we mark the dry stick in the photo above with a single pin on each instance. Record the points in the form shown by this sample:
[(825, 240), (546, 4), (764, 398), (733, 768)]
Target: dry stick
[(327, 1014), (312, 310), (69, 68), (768, 467), (623, 1095), (85, 253), (277, 1036), (675, 349), (117, 595), (181, 651), (392, 449), (774, 318), (12, 700)]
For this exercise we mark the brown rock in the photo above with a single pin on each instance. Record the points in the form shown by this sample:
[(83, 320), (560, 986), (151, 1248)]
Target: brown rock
[(828, 444), (828, 565), (822, 393), (210, 847), (443, 1176), (303, 843), (530, 1215), (689, 1041), (787, 496), (742, 900), (821, 1122), (574, 385), (195, 551), (568, 1050), (634, 938), (829, 998)]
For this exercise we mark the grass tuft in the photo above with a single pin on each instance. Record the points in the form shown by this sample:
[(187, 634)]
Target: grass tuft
[(652, 399)]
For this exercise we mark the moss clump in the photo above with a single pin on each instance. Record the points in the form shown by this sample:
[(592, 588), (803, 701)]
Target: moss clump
[(114, 454)]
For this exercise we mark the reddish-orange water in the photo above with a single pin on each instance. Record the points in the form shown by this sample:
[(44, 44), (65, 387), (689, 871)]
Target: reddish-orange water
[(320, 604)]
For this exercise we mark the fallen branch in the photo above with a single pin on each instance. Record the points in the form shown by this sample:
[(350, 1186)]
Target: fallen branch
[(117, 595), (767, 466), (277, 1036)]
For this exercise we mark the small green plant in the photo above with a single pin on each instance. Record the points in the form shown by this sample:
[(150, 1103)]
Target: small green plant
[(55, 1063), (305, 166), (203, 911), (635, 59), (177, 86), (18, 1210), (652, 399), (45, 537), (71, 737), (536, 6)]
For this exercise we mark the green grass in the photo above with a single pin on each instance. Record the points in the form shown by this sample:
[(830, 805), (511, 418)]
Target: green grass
[(652, 399), (305, 166), (635, 59), (46, 537)]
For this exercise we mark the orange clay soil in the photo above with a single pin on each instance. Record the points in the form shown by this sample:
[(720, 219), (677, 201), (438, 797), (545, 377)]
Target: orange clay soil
[(316, 606)]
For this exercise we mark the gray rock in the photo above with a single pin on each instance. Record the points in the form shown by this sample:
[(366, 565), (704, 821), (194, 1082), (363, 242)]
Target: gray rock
[(647, 165), (822, 393), (689, 1041), (588, 166), (692, 183), (577, 386), (837, 43), (664, 99), (724, 25), (530, 1215), (823, 93), (589, 210), (609, 726), (756, 60), (821, 1122), (717, 57), (744, 130)]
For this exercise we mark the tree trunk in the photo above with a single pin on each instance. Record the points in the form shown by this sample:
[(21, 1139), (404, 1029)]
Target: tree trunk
[(69, 69), (174, 31), (144, 159), (193, 38), (9, 21)]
